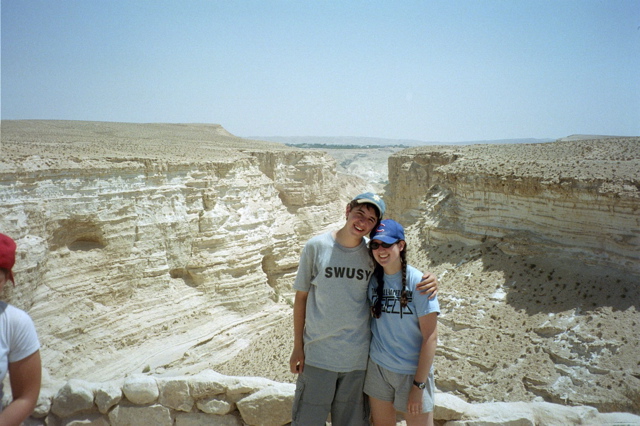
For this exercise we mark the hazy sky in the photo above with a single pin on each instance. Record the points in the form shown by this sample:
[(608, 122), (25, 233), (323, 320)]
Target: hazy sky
[(429, 70)]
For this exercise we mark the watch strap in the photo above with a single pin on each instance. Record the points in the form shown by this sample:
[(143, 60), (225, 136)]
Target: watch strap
[(419, 385)]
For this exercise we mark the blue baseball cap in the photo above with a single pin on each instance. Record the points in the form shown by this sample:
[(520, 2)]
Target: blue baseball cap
[(371, 198), (388, 232)]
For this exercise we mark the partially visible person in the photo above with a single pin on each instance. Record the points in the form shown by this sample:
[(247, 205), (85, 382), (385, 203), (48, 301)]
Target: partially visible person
[(331, 319), (404, 334), (19, 348)]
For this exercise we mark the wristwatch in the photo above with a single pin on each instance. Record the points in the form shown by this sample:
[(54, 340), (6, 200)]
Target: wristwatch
[(420, 385)]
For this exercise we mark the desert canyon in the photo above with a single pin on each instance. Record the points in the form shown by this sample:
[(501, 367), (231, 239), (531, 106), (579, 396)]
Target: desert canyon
[(160, 251)]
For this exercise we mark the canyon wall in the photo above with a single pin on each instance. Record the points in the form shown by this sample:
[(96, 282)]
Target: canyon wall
[(168, 249), (579, 199), (155, 247), (538, 252)]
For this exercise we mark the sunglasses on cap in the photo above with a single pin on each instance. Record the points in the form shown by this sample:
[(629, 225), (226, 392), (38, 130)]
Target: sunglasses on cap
[(375, 245)]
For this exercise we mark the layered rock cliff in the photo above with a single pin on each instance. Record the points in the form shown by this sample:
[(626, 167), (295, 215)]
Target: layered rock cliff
[(155, 247), (171, 249), (579, 199), (538, 252)]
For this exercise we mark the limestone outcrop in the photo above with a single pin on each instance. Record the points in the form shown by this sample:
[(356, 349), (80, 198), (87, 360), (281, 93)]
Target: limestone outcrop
[(169, 250), (155, 247), (538, 252), (577, 199), (210, 398)]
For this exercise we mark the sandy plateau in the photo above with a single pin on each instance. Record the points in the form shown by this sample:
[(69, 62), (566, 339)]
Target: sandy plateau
[(170, 249)]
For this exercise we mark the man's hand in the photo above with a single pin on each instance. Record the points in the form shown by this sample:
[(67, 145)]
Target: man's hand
[(428, 285), (296, 362)]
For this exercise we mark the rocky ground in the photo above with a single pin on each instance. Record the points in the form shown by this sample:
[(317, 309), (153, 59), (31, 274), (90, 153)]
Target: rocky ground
[(99, 140), (519, 327), (594, 161), (490, 350), (512, 327)]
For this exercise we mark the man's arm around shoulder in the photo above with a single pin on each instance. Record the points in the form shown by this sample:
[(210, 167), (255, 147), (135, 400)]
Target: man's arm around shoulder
[(428, 285)]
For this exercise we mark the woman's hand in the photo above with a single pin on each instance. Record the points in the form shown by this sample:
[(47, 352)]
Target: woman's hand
[(414, 406)]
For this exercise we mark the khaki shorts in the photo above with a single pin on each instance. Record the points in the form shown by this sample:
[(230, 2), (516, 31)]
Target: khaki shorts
[(320, 392), (386, 385)]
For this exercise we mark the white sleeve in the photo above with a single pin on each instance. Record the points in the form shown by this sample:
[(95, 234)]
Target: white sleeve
[(24, 339)]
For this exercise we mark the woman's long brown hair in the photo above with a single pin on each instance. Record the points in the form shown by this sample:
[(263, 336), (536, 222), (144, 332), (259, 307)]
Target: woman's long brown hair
[(378, 272)]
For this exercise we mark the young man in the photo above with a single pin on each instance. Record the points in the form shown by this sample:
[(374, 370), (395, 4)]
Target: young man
[(331, 319)]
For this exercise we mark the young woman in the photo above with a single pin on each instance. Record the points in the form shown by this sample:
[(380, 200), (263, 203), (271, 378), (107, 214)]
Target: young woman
[(19, 348), (400, 371)]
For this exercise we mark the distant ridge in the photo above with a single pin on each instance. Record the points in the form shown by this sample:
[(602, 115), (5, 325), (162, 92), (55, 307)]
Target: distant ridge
[(588, 137), (342, 140), (369, 141)]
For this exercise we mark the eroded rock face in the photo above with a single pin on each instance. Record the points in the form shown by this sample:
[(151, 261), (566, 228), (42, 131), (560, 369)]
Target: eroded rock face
[(578, 199), (171, 249), (538, 252), (152, 247)]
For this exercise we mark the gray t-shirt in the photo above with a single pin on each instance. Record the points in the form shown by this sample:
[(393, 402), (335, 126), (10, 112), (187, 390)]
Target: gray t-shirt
[(336, 334)]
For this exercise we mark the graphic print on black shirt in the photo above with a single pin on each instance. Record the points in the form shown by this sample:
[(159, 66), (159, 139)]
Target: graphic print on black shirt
[(391, 302)]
